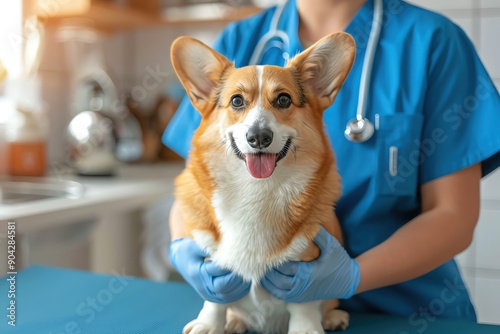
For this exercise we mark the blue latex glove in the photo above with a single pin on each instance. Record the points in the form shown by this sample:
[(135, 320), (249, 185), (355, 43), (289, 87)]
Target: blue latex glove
[(333, 275), (211, 282)]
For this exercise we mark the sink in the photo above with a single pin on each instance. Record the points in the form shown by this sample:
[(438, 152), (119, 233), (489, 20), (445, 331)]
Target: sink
[(22, 190)]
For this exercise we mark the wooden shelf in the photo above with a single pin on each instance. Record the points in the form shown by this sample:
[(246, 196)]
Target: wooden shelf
[(109, 17)]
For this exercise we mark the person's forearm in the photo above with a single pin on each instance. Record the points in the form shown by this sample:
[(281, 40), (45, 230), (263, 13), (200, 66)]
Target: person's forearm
[(423, 244), (177, 229)]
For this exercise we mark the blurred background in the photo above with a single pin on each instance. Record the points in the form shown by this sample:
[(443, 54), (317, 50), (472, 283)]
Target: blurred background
[(86, 90)]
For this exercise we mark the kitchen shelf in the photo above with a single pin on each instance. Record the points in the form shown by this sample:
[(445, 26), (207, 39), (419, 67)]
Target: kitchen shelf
[(109, 17)]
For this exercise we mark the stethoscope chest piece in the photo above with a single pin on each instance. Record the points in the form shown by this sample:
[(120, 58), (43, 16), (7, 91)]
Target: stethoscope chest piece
[(359, 130)]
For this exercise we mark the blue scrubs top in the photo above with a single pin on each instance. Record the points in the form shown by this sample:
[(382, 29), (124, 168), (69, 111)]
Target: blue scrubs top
[(432, 101)]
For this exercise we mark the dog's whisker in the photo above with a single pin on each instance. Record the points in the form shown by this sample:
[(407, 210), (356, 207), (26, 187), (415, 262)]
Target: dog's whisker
[(307, 125), (293, 149), (229, 153), (221, 149)]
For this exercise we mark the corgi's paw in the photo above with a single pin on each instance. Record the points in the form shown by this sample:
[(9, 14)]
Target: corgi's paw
[(307, 332), (235, 326), (336, 320), (198, 327)]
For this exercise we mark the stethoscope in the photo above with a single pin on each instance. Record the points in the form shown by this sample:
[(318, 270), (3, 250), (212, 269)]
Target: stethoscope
[(359, 129)]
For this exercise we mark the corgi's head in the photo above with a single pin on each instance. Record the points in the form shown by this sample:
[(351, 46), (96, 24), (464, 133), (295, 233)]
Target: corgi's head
[(265, 117)]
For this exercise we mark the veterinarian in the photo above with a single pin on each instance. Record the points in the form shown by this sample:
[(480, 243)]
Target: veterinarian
[(411, 162)]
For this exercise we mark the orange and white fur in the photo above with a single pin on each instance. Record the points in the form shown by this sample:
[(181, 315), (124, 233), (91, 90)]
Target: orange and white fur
[(261, 176)]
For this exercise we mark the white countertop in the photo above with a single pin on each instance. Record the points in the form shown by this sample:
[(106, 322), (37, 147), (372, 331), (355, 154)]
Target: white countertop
[(134, 187)]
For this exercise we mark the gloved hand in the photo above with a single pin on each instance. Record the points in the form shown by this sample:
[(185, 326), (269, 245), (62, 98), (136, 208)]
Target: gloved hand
[(333, 275), (211, 282)]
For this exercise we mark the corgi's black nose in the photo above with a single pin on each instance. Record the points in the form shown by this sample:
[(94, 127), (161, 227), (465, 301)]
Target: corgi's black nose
[(259, 138)]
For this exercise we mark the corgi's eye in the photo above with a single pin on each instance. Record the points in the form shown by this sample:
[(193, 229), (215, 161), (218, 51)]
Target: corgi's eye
[(237, 101), (283, 101)]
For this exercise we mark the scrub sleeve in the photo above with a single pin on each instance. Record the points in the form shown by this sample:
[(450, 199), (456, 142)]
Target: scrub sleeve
[(461, 112)]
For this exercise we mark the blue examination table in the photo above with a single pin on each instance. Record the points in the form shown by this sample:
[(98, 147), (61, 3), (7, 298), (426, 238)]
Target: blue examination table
[(60, 301)]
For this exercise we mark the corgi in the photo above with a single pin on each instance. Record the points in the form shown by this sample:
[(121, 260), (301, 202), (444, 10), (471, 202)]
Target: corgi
[(261, 176)]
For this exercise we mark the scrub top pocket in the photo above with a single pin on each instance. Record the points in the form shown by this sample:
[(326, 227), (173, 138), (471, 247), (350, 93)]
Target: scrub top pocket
[(398, 145)]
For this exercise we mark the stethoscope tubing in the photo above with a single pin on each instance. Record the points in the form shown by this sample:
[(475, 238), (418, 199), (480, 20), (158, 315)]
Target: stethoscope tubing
[(272, 33), (367, 70)]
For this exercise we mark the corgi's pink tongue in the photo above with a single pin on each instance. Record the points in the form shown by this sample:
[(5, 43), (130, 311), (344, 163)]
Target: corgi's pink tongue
[(261, 166)]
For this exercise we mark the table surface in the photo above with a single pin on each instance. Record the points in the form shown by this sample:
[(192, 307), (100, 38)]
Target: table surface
[(56, 301)]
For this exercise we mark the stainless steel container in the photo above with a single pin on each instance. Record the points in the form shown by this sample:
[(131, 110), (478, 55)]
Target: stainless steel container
[(92, 144)]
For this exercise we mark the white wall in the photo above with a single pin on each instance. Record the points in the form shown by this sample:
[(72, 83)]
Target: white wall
[(152, 51)]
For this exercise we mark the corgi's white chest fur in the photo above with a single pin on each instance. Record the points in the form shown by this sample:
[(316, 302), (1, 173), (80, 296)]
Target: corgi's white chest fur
[(251, 215), (249, 212)]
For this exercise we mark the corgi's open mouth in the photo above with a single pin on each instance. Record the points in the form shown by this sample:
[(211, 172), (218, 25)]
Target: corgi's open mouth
[(261, 165)]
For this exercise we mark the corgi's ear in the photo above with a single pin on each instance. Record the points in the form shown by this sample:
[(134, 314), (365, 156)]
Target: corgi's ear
[(199, 69), (324, 66)]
